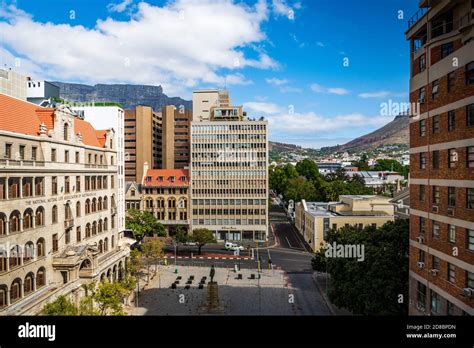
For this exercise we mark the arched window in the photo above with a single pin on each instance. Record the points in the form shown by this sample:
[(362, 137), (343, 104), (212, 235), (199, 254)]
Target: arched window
[(99, 204), (3, 295), (161, 203), (40, 247), (67, 212), (106, 244), (3, 259), (29, 252), (28, 219), (40, 278), (54, 213), (106, 223), (88, 206), (101, 246), (94, 205), (94, 228), (149, 203), (15, 256), (105, 203), (28, 284), (15, 221), (171, 203), (78, 209), (88, 230), (15, 290), (3, 224), (183, 203), (66, 131), (99, 226), (112, 242), (39, 217)]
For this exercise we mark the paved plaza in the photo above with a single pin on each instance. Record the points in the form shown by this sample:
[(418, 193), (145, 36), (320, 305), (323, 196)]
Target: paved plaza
[(269, 295)]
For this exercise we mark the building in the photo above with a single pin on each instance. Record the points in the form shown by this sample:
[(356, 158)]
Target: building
[(328, 167), (377, 179), (204, 101), (143, 141), (39, 91), (315, 219), (175, 137), (104, 117), (13, 84), (58, 206), (229, 174), (401, 203), (442, 158)]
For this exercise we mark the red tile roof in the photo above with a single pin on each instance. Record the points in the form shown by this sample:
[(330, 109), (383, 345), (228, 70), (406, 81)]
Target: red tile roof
[(166, 175), (22, 117), (101, 136)]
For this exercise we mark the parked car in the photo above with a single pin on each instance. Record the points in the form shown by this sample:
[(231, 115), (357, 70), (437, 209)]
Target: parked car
[(233, 246), (191, 243)]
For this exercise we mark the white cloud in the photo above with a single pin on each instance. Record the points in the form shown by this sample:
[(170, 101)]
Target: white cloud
[(119, 7), (281, 8), (276, 82), (173, 45), (320, 44), (287, 89), (317, 88), (265, 108), (379, 94)]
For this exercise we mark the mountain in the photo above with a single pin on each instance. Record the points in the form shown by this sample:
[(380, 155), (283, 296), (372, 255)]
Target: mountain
[(127, 95), (393, 133), (276, 146)]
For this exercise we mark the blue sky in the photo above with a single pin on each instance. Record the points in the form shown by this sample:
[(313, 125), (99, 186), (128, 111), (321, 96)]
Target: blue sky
[(317, 70)]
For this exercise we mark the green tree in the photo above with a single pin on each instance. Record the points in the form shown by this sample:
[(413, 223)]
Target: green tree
[(62, 306), (362, 163), (308, 169), (371, 286), (109, 297), (202, 236), (299, 188), (152, 252), (143, 223), (180, 237)]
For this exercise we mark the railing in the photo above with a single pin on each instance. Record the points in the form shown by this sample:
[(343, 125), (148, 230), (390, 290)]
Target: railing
[(21, 163), (68, 223), (100, 166), (466, 19), (418, 14)]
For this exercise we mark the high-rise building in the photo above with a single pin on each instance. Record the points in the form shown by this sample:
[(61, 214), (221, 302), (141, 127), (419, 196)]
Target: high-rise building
[(13, 84), (442, 158), (58, 206), (143, 141), (175, 137), (229, 172), (38, 92)]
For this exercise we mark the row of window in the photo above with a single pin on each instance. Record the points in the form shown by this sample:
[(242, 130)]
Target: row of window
[(249, 164), (229, 202), (227, 128), (231, 222), (229, 146), (451, 121), (453, 156), (229, 192), (92, 229), (451, 195), (19, 289), (18, 256), (436, 302), (229, 173), (162, 191), (171, 203), (229, 211), (451, 232), (228, 155)]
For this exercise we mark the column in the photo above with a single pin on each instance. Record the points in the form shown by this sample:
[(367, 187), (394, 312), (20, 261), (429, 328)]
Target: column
[(21, 187), (8, 297)]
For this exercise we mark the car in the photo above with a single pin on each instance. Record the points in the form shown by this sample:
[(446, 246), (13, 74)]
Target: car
[(191, 243), (233, 246)]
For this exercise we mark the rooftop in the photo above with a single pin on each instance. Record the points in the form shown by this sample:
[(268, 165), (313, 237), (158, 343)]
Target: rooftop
[(166, 177)]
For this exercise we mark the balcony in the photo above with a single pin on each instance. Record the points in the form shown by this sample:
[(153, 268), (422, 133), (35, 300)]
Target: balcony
[(68, 223), (113, 210), (20, 163), (417, 16)]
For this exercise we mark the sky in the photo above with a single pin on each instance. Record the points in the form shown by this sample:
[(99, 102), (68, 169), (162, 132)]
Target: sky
[(320, 71)]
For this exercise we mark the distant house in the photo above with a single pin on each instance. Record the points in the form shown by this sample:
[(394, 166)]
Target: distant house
[(401, 203), (377, 178)]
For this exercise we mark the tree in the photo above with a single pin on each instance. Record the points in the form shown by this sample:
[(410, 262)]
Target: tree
[(308, 169), (203, 236), (391, 165), (299, 188), (143, 224), (362, 163), (371, 286), (109, 297), (61, 306), (180, 237), (152, 251)]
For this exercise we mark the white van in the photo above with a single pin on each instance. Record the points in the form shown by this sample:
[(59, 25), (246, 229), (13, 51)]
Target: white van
[(233, 246)]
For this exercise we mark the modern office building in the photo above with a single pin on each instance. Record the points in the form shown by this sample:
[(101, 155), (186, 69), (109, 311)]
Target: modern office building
[(315, 219), (204, 101), (38, 92), (175, 137), (13, 84), (442, 158), (58, 206), (143, 141), (229, 173)]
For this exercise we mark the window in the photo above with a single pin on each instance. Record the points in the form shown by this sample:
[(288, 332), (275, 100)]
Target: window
[(451, 196), (435, 194), (434, 89), (77, 157), (451, 120), (451, 233), (470, 239), (421, 295), (421, 255), (451, 273), (421, 98), (450, 310), (34, 151), (22, 152), (435, 121), (446, 49), (470, 198), (54, 214), (66, 132), (422, 160), (55, 243), (54, 185), (435, 230), (67, 236), (66, 156), (470, 73), (8, 151), (470, 115), (422, 128), (67, 186), (435, 262), (436, 159), (53, 155), (434, 302), (422, 193), (452, 157), (78, 184), (422, 63), (451, 81), (470, 279), (470, 157)]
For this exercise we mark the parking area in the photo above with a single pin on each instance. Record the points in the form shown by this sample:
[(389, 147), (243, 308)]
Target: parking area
[(241, 293)]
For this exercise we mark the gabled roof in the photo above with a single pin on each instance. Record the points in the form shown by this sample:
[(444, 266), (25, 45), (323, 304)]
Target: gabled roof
[(163, 177)]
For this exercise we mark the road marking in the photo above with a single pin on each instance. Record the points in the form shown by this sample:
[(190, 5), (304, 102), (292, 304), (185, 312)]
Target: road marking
[(292, 247)]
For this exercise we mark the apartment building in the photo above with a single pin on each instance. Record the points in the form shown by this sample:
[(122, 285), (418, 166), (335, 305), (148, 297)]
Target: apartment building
[(13, 84), (204, 101), (58, 206), (175, 137), (314, 220), (143, 141), (442, 158), (229, 178)]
